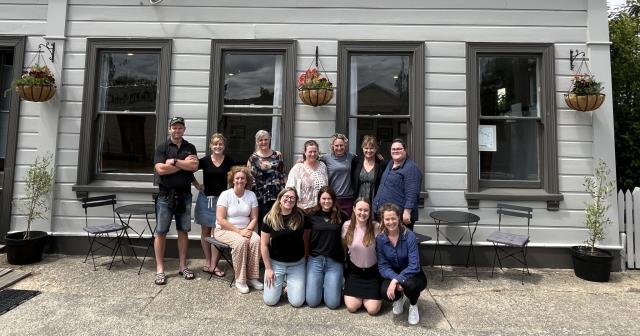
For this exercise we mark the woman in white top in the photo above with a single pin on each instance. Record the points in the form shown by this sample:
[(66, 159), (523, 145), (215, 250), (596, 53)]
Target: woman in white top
[(236, 219), (308, 177)]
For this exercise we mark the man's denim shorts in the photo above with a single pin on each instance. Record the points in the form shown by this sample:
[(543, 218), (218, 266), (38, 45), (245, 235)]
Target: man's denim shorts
[(164, 214)]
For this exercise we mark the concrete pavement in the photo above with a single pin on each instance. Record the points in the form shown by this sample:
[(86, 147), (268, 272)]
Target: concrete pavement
[(76, 300)]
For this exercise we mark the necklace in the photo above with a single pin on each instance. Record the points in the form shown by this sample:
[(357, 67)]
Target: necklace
[(215, 161)]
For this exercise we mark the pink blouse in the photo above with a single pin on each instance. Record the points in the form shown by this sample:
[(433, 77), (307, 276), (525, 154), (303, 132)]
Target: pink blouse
[(360, 255)]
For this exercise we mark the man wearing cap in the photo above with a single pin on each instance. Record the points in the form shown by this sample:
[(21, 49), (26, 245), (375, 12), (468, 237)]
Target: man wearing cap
[(175, 161)]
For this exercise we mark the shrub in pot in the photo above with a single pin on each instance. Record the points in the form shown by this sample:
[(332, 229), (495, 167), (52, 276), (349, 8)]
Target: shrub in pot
[(589, 262), (25, 247)]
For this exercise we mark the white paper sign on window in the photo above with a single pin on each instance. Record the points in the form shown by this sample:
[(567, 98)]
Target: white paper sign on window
[(487, 138)]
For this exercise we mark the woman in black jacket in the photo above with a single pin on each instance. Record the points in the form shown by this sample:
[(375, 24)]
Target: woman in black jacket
[(366, 170)]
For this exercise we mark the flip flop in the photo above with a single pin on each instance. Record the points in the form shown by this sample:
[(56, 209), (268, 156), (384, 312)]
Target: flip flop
[(217, 271), (161, 279), (187, 274)]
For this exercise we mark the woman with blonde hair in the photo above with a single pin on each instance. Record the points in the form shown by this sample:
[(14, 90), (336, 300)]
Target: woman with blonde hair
[(236, 219), (283, 243), (339, 163), (399, 263), (362, 278), (214, 181), (366, 169), (308, 177)]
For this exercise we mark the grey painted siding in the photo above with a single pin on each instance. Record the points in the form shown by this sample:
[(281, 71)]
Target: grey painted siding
[(444, 26)]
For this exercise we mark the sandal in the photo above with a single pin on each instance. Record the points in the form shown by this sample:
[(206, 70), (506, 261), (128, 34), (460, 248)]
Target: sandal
[(217, 271), (187, 274), (161, 279)]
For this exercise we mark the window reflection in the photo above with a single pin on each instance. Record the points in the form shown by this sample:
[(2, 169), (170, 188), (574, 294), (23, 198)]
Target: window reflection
[(382, 83), (128, 81), (509, 86), (250, 78), (127, 143), (517, 152), (127, 95)]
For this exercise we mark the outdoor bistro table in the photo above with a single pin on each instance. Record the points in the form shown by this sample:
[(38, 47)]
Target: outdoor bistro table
[(141, 209), (451, 217)]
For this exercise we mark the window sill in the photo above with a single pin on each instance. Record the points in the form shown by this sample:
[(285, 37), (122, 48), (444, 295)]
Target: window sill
[(83, 190), (513, 194)]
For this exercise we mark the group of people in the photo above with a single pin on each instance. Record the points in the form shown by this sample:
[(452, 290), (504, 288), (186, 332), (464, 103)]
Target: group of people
[(316, 228)]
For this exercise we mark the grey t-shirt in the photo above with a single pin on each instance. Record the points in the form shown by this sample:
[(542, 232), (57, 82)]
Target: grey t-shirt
[(339, 168)]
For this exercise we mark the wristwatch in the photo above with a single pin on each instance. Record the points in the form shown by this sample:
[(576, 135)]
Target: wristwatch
[(175, 161)]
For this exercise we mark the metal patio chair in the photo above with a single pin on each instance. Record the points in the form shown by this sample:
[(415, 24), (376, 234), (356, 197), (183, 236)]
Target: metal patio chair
[(225, 253), (105, 231), (503, 240)]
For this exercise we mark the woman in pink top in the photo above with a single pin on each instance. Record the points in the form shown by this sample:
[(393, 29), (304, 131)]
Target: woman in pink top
[(362, 278)]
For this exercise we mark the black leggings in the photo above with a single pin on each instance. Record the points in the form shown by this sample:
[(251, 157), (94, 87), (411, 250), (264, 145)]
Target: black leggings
[(412, 288)]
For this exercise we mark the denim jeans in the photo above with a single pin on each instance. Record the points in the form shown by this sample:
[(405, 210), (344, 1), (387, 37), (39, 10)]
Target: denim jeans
[(164, 214), (324, 280), (295, 274)]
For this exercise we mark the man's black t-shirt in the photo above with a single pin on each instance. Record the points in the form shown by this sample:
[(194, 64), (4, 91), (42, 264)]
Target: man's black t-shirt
[(179, 181)]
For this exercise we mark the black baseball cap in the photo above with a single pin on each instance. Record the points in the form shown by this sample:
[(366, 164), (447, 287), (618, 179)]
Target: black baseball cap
[(176, 120)]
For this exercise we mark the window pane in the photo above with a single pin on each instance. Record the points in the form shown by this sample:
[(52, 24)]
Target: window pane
[(126, 143), (385, 130), (128, 81), (517, 152), (509, 86), (240, 133), (6, 71), (252, 79), (379, 84)]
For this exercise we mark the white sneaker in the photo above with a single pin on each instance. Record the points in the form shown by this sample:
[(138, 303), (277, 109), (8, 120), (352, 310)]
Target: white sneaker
[(255, 283), (242, 287), (414, 316), (398, 305)]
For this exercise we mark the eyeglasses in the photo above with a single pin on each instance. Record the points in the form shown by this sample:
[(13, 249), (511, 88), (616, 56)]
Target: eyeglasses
[(397, 149), (289, 198)]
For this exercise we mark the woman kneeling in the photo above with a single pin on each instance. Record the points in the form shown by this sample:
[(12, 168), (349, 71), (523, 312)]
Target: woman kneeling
[(362, 278), (399, 263), (283, 243)]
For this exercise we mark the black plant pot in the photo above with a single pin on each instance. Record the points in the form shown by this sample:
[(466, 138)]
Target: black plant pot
[(25, 251), (589, 266)]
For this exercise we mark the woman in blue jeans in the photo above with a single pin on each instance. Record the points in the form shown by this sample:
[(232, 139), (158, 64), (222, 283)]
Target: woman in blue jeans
[(283, 244), (326, 257)]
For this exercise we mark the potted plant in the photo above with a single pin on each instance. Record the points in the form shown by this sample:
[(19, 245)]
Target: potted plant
[(36, 84), (314, 88), (589, 262), (585, 93), (24, 247)]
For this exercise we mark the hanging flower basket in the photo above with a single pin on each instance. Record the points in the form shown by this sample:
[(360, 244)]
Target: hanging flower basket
[(37, 84), (314, 88), (584, 103), (585, 93), (36, 93), (315, 97)]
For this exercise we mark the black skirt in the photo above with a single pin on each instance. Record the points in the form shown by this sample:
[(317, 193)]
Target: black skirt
[(362, 283)]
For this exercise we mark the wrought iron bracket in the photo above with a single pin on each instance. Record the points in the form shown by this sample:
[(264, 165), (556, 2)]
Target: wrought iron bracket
[(573, 55), (49, 46)]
